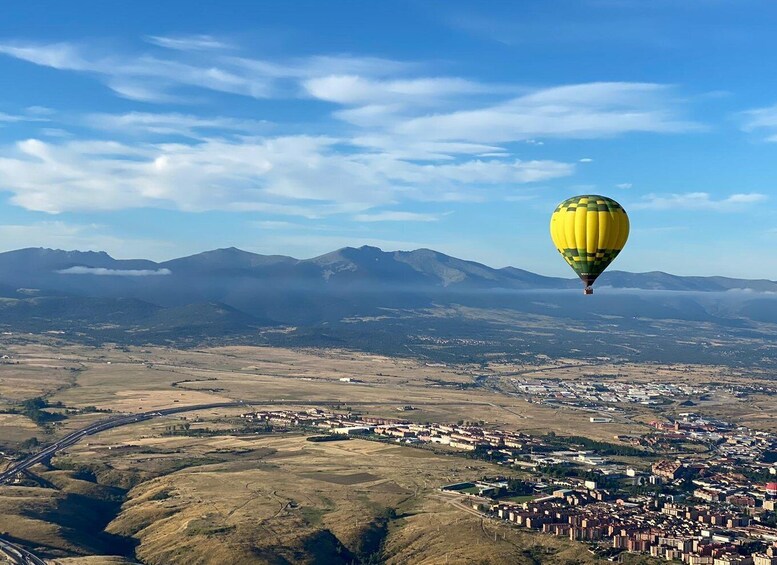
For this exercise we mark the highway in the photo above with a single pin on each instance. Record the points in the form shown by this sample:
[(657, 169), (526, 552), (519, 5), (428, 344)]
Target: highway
[(19, 555), (117, 421), (97, 427), (24, 557)]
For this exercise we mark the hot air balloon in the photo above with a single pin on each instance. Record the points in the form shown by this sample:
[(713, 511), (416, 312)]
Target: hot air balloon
[(589, 231)]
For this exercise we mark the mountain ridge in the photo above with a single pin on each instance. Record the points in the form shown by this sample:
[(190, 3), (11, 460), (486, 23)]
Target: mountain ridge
[(351, 266), (421, 302)]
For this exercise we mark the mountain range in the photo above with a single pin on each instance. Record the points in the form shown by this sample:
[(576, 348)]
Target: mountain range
[(227, 292), (369, 267)]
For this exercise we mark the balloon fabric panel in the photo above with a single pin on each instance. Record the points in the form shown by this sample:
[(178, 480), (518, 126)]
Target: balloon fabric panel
[(589, 231)]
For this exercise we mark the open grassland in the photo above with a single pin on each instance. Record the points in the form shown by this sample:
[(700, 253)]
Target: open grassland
[(64, 515), (261, 499), (135, 379), (290, 500), (93, 560), (232, 497)]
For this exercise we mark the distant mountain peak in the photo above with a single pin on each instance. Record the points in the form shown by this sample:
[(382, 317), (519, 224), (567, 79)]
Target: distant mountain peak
[(61, 252), (365, 267), (222, 251), (225, 258)]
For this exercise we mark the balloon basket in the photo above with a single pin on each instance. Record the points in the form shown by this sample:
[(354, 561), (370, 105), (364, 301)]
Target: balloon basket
[(588, 290)]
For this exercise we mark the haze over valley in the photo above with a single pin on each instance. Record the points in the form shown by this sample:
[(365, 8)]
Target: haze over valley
[(420, 303)]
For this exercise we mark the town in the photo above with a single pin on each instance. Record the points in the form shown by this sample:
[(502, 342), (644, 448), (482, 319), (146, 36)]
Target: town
[(710, 506), (604, 391), (609, 393)]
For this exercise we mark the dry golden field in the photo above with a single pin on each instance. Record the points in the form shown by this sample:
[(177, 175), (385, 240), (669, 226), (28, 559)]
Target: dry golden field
[(278, 498), (263, 499), (135, 379), (138, 379)]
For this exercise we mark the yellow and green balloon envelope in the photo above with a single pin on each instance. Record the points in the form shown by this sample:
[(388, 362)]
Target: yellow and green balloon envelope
[(589, 231)]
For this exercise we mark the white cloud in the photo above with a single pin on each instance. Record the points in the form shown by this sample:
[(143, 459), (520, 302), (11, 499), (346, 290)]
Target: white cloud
[(585, 160), (30, 114), (493, 171), (402, 136), (745, 198), (376, 93), (100, 271), (63, 56), (624, 185), (698, 201), (40, 111), (139, 123), (55, 132), (583, 111), (371, 115), (323, 65), (761, 119), (137, 90), (145, 78), (276, 225), (396, 216), (353, 89), (10, 118), (189, 42), (494, 154), (166, 75), (418, 149), (293, 175)]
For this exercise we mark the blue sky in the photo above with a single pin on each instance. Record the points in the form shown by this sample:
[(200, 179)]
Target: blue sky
[(159, 129)]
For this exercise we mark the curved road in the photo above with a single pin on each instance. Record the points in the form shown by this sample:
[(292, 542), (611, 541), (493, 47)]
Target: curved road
[(20, 555), (97, 427), (24, 557), (118, 421)]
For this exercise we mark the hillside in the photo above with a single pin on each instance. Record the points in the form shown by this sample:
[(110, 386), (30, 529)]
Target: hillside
[(421, 301), (422, 269)]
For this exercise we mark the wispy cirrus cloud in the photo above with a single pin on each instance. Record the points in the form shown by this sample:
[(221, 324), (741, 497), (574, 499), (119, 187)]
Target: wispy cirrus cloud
[(424, 91), (437, 119), (10, 118), (276, 225), (30, 114), (169, 73), (763, 120), (186, 125), (394, 96), (146, 78), (478, 113), (581, 111), (189, 42), (699, 201), (293, 175), (397, 216), (403, 134)]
